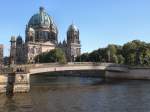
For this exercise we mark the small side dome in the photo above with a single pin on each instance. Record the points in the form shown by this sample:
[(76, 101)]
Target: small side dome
[(13, 39), (19, 40), (64, 43), (72, 27)]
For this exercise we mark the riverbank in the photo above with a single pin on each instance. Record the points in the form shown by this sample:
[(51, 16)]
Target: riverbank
[(134, 73), (21, 82)]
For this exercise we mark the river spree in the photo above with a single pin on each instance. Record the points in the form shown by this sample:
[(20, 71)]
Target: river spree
[(74, 94)]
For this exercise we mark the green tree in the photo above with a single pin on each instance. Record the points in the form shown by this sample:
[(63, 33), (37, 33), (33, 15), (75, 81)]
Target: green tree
[(112, 49), (120, 59), (112, 53), (114, 59), (83, 58), (132, 51), (135, 52), (55, 55), (94, 56)]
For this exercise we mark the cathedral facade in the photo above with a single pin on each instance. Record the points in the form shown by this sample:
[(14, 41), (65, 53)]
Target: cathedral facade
[(41, 35)]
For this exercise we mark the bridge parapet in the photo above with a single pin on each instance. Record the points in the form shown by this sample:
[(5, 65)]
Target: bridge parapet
[(6, 70), (21, 69), (49, 67), (73, 64), (16, 69)]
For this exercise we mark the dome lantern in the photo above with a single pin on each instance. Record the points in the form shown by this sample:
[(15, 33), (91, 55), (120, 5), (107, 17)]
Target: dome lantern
[(42, 9)]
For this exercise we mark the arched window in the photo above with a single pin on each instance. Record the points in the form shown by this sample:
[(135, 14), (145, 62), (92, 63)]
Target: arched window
[(45, 34)]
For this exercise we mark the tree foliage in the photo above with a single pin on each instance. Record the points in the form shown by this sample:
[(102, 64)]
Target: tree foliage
[(56, 55), (135, 52)]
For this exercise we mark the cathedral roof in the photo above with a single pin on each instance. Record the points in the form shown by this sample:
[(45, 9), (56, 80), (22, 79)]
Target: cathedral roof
[(64, 42), (72, 27), (13, 39), (41, 19), (19, 37), (19, 40)]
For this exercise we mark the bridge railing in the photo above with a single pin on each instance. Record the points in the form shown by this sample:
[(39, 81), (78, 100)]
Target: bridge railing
[(16, 69), (26, 68), (57, 64), (6, 70), (72, 64)]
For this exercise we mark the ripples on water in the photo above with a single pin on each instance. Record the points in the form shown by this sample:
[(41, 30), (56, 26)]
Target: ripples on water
[(74, 94)]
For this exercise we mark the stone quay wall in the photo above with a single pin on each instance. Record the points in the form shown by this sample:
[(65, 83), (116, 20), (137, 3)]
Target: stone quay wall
[(3, 83), (21, 83), (135, 73)]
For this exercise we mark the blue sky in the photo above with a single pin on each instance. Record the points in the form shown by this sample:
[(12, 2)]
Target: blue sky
[(101, 22)]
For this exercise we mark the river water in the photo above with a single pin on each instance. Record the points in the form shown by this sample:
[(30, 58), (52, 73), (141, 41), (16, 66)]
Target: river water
[(74, 94)]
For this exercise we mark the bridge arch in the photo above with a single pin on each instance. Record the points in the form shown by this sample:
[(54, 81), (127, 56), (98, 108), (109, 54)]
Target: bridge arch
[(74, 73), (22, 77)]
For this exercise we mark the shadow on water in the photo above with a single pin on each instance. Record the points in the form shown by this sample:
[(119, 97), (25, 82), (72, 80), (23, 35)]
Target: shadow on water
[(57, 82), (51, 79), (20, 102), (10, 105)]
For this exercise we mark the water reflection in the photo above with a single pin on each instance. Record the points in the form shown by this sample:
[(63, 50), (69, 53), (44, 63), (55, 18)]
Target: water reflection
[(18, 103), (67, 94)]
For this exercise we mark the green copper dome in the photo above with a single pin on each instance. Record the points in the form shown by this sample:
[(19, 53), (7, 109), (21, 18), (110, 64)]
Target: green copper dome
[(19, 40), (13, 39), (41, 19), (72, 27)]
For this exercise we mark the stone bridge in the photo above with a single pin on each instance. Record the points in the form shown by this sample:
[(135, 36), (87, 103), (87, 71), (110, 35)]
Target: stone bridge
[(20, 76), (42, 68)]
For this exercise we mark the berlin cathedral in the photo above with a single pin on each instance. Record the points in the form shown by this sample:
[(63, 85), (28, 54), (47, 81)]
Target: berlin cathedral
[(41, 35)]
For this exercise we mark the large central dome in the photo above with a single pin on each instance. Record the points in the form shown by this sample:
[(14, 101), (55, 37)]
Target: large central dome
[(41, 19), (41, 28)]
